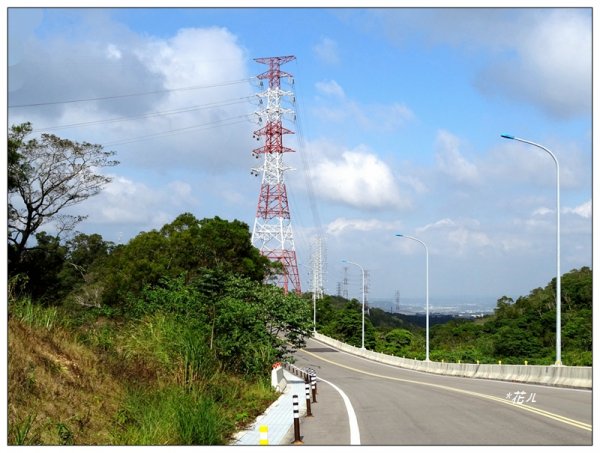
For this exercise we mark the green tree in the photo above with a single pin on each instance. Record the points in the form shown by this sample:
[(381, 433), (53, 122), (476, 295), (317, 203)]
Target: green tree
[(226, 245), (82, 252), (187, 246), (244, 324), (347, 326), (397, 342), (47, 176), (325, 312), (42, 265)]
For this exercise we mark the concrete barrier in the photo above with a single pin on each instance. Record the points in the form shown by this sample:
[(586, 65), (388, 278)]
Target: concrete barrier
[(560, 376), (278, 381)]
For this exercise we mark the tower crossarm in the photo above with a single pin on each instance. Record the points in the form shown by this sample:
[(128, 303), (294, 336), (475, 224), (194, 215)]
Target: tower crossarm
[(274, 74)]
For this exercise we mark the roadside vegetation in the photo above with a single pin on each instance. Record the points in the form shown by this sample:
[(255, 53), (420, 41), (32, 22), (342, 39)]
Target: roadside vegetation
[(166, 340), (517, 331), (179, 354)]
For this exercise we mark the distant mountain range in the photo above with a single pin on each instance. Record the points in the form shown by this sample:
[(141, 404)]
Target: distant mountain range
[(468, 305)]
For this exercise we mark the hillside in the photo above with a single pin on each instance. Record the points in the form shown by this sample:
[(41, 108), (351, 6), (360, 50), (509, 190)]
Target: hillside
[(517, 331), (95, 381), (60, 392), (166, 340)]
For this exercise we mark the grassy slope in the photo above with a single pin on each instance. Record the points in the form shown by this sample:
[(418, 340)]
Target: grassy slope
[(72, 386), (59, 391)]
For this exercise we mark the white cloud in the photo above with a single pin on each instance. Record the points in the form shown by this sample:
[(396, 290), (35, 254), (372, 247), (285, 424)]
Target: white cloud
[(358, 179), (127, 63), (540, 56), (331, 88), (514, 244), (414, 183), (542, 211), (464, 237), (113, 52), (583, 210), (326, 51), (526, 164), (459, 235), (443, 223), (553, 68), (338, 108), (452, 163), (124, 201), (342, 225)]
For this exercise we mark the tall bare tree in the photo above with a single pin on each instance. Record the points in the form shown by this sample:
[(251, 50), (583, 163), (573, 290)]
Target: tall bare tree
[(46, 176)]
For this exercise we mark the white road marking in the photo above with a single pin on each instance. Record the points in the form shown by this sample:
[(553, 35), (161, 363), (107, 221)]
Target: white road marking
[(354, 431)]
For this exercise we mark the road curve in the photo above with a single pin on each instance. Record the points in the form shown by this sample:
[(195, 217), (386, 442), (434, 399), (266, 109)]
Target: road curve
[(396, 406)]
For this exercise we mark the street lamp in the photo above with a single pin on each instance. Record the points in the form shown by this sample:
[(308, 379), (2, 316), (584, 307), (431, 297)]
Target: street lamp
[(558, 297), (426, 293), (363, 300)]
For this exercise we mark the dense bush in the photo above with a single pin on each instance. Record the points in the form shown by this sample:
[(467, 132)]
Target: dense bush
[(180, 317), (518, 331)]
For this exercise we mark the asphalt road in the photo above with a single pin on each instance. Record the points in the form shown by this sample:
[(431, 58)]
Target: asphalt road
[(395, 406)]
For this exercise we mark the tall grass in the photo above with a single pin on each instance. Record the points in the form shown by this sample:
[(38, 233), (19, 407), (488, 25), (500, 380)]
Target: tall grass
[(175, 346), (164, 383), (192, 402), (171, 416), (34, 314), (199, 421)]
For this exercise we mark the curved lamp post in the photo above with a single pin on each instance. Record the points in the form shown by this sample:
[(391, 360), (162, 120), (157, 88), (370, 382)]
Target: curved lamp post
[(558, 297), (363, 300), (426, 292)]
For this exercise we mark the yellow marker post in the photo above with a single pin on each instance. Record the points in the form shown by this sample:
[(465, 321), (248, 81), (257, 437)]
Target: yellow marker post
[(263, 430)]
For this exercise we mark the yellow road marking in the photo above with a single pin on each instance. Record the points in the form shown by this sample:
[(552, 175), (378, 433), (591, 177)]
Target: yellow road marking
[(535, 410)]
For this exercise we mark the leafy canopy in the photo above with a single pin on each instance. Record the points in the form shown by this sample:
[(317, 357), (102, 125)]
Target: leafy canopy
[(46, 176)]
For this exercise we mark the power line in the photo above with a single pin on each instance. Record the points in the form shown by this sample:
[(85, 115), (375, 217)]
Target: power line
[(219, 123), (146, 115), (120, 96), (306, 166)]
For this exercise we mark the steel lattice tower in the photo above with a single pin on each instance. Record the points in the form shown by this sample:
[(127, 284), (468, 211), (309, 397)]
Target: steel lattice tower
[(272, 233), (317, 261)]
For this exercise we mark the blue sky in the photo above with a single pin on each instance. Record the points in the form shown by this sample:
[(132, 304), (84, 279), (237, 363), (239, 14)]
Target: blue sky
[(399, 116)]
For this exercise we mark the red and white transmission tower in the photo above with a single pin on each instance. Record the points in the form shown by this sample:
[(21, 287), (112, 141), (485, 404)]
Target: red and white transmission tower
[(272, 233)]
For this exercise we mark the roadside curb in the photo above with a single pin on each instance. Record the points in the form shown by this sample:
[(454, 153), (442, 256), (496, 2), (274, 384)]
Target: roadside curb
[(278, 417)]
